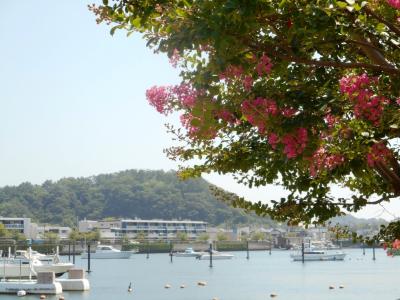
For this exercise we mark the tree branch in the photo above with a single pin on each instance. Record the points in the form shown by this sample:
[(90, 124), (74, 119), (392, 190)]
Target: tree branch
[(382, 20), (343, 65)]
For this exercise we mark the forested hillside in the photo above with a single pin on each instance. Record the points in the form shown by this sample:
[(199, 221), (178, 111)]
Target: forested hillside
[(127, 194)]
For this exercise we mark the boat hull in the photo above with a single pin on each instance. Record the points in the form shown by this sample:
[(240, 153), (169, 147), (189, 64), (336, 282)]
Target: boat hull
[(216, 257), (187, 254), (24, 270), (319, 257), (110, 255)]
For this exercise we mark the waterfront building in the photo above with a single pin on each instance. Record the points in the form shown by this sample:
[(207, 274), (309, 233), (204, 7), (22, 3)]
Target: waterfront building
[(161, 229), (146, 229), (62, 231), (21, 225), (105, 228)]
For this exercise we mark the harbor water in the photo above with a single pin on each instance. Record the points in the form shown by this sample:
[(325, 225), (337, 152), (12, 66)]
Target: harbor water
[(241, 279)]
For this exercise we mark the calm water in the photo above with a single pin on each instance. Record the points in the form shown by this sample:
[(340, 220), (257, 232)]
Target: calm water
[(242, 279)]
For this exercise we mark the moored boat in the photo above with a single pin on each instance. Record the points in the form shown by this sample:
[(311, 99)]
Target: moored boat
[(216, 255), (189, 252), (107, 252), (318, 255)]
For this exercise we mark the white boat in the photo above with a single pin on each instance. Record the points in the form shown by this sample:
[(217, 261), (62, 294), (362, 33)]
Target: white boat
[(189, 252), (216, 255), (105, 252), (318, 255), (24, 268), (22, 254)]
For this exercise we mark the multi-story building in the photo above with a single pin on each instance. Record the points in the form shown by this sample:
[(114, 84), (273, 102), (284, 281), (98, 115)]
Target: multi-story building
[(21, 225), (62, 231), (106, 228), (160, 229)]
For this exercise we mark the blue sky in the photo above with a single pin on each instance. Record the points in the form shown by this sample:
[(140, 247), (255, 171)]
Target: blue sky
[(73, 101)]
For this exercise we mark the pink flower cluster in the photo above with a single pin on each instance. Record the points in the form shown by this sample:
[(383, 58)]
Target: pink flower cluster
[(226, 115), (378, 153), (395, 246), (394, 3), (185, 94), (273, 140), (258, 110), (351, 85), (159, 97), (294, 144), (288, 112), (331, 120), (264, 65), (322, 160), (366, 105)]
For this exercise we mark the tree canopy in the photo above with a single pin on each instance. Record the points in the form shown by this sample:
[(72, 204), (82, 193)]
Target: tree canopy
[(299, 93), (127, 194)]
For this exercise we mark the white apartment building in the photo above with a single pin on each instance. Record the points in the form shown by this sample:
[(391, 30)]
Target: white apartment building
[(150, 229), (21, 225), (106, 228)]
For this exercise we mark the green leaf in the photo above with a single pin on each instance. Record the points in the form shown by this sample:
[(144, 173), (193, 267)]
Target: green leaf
[(380, 27), (341, 4)]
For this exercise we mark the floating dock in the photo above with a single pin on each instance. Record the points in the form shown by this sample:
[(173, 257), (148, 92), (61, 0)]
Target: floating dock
[(47, 284), (76, 281)]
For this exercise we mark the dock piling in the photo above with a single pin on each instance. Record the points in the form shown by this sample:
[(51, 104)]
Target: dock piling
[(373, 252), (73, 253), (302, 252), (248, 254), (88, 257), (211, 248)]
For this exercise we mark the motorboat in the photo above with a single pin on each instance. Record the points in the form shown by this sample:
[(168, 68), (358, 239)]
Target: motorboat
[(318, 255), (189, 252), (215, 255), (107, 252), (22, 254), (24, 268)]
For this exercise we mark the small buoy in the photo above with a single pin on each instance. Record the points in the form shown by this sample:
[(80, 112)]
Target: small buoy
[(21, 293), (215, 298), (130, 287), (202, 283), (42, 297), (273, 295), (182, 286), (61, 298), (331, 287), (341, 286), (167, 286)]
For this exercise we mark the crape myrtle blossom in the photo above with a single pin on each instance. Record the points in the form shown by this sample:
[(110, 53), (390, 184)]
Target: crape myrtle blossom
[(295, 143), (394, 3), (162, 97), (263, 66), (226, 115), (392, 248), (367, 105), (322, 160), (257, 111)]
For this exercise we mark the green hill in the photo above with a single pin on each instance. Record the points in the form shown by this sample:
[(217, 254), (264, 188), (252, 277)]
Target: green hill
[(127, 194)]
